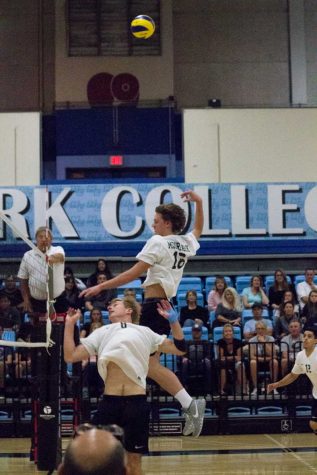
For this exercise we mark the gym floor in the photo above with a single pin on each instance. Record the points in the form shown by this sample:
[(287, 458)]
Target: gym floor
[(222, 454)]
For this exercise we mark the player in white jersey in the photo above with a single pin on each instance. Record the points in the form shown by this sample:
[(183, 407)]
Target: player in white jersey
[(163, 259), (305, 363), (123, 350)]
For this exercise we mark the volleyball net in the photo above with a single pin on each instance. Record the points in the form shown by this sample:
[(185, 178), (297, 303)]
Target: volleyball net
[(42, 282)]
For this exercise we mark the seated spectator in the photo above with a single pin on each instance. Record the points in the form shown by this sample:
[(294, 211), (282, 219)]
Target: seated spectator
[(304, 288), (95, 322), (130, 293), (6, 360), (309, 312), (101, 267), (215, 295), (277, 290), (262, 355), (103, 298), (10, 317), (193, 313), (230, 359), (229, 310), (282, 322), (11, 290), (68, 272), (291, 344), (289, 296), (22, 356), (91, 377), (95, 451), (249, 329), (71, 293), (197, 362), (254, 293)]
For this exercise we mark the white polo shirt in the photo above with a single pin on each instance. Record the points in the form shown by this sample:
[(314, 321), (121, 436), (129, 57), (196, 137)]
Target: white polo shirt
[(127, 345), (34, 268), (307, 365), (167, 256)]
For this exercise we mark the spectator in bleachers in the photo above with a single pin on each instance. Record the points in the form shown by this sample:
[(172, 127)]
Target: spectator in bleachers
[(103, 298), (68, 272), (193, 313), (129, 293), (262, 355), (304, 288), (95, 322), (230, 359), (101, 268), (254, 293), (291, 344), (215, 295), (22, 356), (197, 362), (289, 296), (309, 312), (229, 309), (10, 317), (249, 329), (6, 359), (281, 327), (71, 293), (11, 290), (277, 290)]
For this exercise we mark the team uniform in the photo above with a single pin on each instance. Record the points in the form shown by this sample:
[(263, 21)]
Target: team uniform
[(129, 346), (167, 256), (308, 365)]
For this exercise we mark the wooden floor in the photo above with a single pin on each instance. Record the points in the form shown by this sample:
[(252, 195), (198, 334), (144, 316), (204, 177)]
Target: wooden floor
[(239, 454)]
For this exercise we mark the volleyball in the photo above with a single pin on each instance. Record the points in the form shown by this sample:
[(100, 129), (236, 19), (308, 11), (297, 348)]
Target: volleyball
[(142, 26)]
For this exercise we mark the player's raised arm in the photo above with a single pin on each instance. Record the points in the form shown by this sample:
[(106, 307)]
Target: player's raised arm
[(199, 213), (124, 278)]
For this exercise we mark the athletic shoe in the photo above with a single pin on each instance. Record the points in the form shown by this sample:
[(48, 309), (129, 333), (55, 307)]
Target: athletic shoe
[(275, 392), (254, 392), (194, 417)]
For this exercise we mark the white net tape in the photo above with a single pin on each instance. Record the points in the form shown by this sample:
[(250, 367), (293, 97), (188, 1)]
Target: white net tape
[(42, 280)]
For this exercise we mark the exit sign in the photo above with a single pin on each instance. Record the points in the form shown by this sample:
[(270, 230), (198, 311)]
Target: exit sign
[(116, 160)]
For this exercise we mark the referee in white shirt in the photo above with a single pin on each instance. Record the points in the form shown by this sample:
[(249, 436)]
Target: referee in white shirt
[(34, 270)]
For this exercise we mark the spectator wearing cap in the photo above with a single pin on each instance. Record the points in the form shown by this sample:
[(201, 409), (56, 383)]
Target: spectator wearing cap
[(249, 329), (197, 363), (254, 293)]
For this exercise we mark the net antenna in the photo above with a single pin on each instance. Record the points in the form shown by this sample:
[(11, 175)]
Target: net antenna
[(21, 344)]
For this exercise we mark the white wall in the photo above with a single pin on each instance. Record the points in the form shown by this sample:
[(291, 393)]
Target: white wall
[(155, 73), (250, 145), (20, 149)]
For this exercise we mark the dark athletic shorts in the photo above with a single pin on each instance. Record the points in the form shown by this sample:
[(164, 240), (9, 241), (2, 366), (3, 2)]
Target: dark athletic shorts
[(152, 319), (314, 409), (132, 414)]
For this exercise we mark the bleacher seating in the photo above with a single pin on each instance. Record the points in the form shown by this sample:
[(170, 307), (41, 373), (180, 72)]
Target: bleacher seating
[(190, 283), (210, 283), (300, 278), (269, 281), (134, 284), (247, 314), (242, 281), (181, 299), (188, 333), (105, 316)]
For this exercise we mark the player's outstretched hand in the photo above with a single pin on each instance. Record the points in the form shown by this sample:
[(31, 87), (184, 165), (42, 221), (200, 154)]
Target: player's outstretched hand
[(270, 387), (90, 292), (73, 314), (190, 195), (165, 309)]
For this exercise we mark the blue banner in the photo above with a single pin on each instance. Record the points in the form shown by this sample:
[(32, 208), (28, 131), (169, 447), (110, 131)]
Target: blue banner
[(116, 219)]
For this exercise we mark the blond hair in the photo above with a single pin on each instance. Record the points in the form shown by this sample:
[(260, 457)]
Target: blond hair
[(131, 303)]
